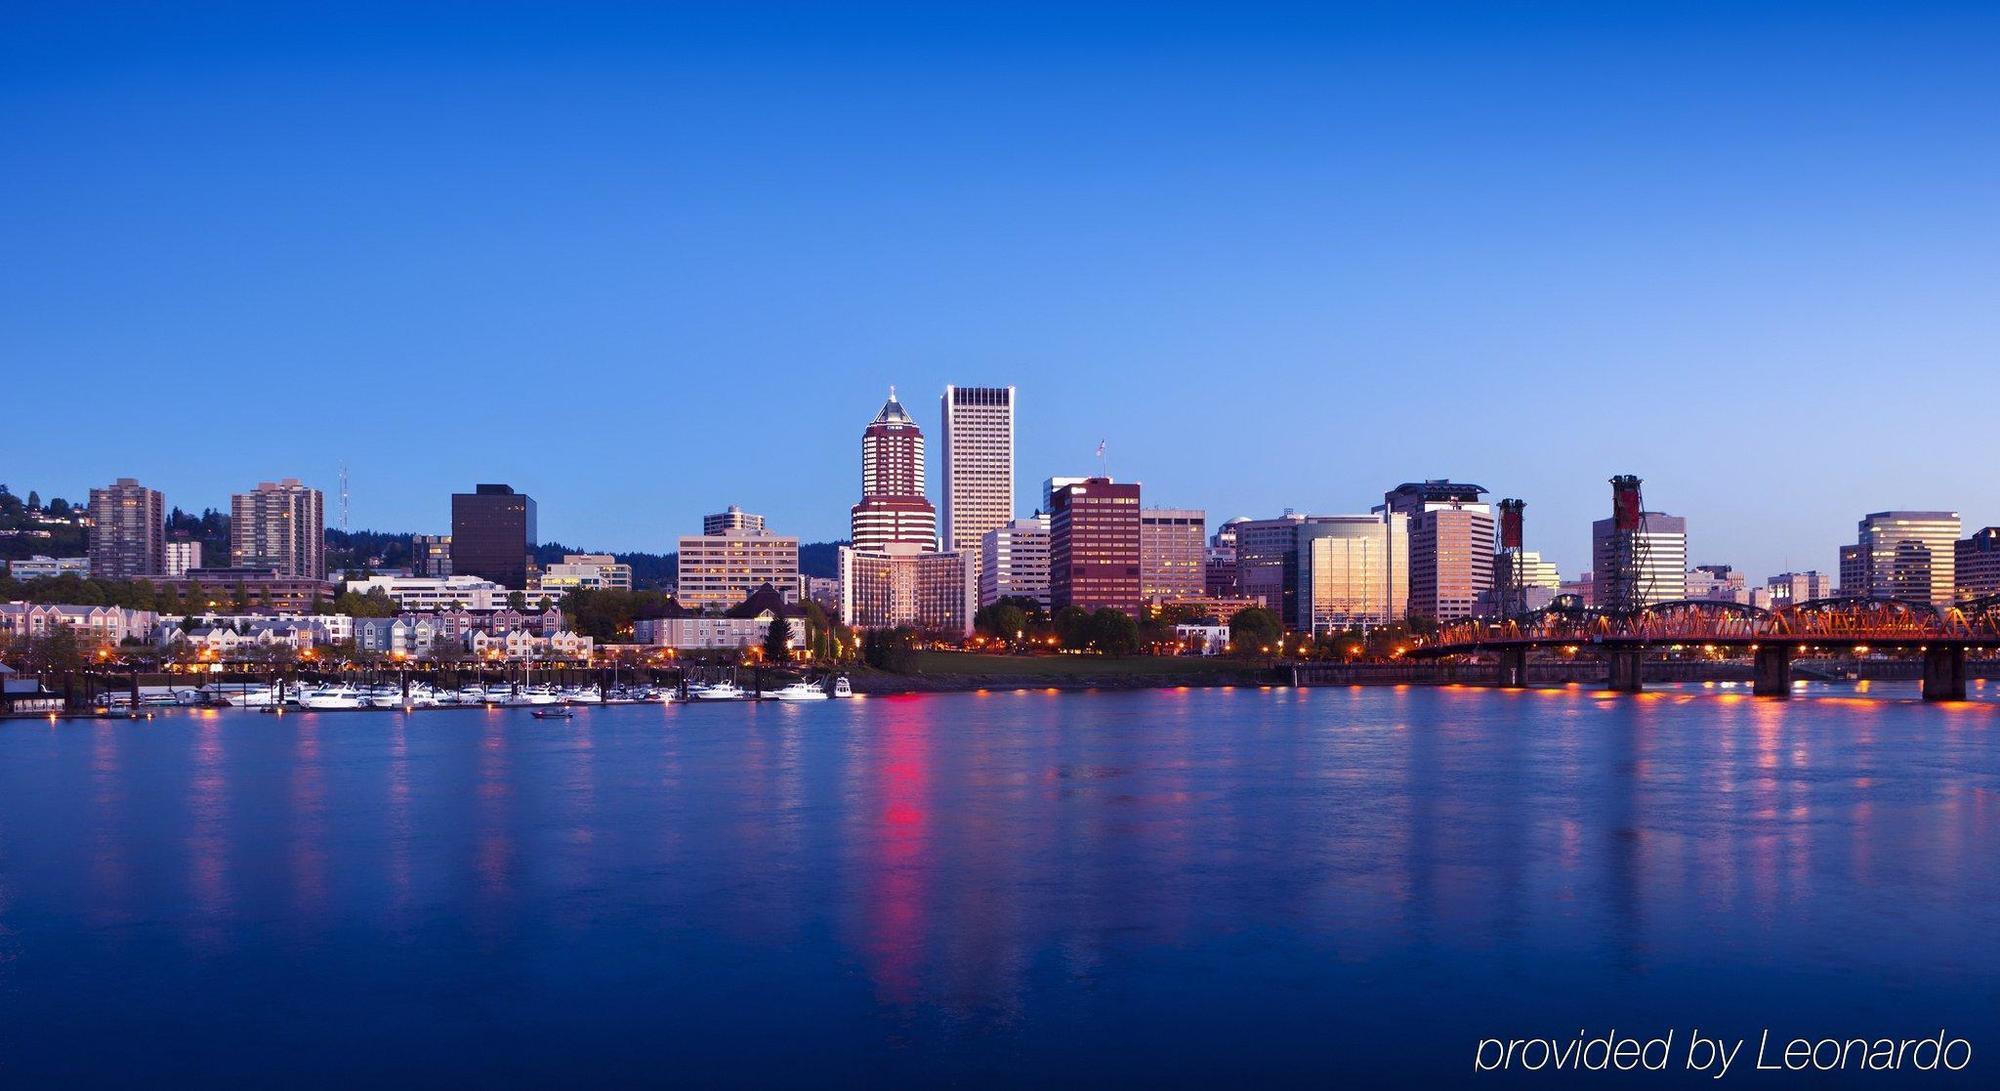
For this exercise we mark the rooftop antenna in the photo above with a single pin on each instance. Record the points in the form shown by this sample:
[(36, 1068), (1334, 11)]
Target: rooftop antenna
[(343, 497), (1101, 472)]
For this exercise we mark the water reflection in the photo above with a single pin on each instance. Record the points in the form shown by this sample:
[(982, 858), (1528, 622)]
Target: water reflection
[(110, 855), (1131, 886), (208, 834)]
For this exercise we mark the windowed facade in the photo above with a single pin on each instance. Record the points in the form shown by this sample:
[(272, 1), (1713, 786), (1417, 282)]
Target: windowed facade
[(1094, 546)]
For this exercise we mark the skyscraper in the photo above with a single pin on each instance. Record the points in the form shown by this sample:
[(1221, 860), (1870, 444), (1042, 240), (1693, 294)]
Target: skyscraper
[(1267, 561), (1451, 546), (978, 464), (1977, 562), (493, 535), (1094, 546), (1172, 550), (280, 525), (128, 533), (1051, 484), (892, 507), (1353, 570), (1907, 555), (1014, 561)]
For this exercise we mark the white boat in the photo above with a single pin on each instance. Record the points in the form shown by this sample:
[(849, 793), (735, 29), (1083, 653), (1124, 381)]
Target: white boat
[(244, 696), (841, 688), (342, 696), (801, 691), (718, 691), (389, 696), (582, 695), (533, 695)]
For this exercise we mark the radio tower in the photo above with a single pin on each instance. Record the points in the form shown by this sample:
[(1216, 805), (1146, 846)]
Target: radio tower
[(343, 497)]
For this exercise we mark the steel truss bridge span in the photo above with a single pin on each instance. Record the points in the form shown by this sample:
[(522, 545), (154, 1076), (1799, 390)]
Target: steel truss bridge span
[(1623, 637)]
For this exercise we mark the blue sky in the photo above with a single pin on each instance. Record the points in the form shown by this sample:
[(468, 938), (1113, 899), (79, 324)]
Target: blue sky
[(646, 261)]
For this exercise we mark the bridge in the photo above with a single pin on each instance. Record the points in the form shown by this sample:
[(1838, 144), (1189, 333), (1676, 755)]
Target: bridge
[(1772, 637)]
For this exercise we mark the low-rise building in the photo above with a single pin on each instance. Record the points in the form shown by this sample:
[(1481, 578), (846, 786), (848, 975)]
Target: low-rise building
[(431, 593), (93, 625), (40, 567), (1204, 638), (586, 572), (1583, 587), (743, 627), (227, 640), (1219, 607), (1717, 582), (250, 588), (520, 644), (410, 634), (327, 628)]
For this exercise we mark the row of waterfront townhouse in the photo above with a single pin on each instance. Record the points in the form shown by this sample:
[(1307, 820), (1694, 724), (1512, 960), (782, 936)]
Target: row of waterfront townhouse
[(96, 625)]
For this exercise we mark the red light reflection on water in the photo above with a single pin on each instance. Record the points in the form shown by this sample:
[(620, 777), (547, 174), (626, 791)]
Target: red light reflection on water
[(895, 901)]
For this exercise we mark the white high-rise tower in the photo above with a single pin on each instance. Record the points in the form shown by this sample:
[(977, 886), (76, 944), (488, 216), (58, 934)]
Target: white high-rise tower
[(978, 439)]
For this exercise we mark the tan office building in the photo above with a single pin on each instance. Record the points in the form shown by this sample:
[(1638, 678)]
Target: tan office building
[(721, 570)]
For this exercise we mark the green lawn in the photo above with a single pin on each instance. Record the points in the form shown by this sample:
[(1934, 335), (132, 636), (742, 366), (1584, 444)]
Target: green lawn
[(974, 665)]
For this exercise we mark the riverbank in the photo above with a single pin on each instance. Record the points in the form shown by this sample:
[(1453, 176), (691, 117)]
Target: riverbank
[(959, 672)]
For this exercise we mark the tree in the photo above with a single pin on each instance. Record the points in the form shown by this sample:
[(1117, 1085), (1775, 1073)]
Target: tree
[(376, 603), (1254, 629), (517, 600), (1003, 619), (890, 649), (54, 652), (1113, 632), (778, 641), (1030, 607), (1073, 627)]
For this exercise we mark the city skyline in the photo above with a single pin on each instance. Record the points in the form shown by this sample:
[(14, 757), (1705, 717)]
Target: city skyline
[(1538, 538), (1301, 244)]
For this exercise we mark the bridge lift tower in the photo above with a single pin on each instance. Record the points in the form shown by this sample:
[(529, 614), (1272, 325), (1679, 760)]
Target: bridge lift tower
[(1510, 578), (1629, 573)]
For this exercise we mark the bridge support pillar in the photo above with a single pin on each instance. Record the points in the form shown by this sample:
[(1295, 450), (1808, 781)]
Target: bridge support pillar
[(1626, 674), (1773, 674), (1513, 668), (1944, 674)]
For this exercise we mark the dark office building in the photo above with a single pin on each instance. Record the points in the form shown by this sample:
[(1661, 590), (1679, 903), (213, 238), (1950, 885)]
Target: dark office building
[(493, 534), (1094, 546)]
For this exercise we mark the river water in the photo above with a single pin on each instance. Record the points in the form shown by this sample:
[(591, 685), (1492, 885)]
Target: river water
[(1167, 888)]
